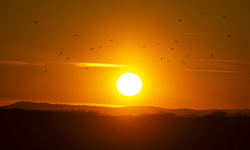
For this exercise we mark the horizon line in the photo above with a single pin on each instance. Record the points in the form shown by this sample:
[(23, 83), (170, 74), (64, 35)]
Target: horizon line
[(124, 106)]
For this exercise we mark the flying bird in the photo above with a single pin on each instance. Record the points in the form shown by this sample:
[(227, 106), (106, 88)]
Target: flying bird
[(75, 35), (45, 70), (36, 21), (176, 41), (198, 68), (111, 40), (67, 57), (202, 13), (180, 20), (183, 63), (224, 17), (212, 55), (60, 53), (144, 46), (168, 61), (162, 58), (229, 35), (186, 55), (157, 44), (100, 47), (172, 48), (92, 48), (86, 68)]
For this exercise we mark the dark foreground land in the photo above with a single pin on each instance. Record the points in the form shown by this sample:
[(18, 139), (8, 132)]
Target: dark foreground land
[(36, 129)]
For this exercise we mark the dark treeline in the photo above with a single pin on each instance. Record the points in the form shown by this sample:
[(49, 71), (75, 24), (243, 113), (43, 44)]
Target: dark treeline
[(34, 129)]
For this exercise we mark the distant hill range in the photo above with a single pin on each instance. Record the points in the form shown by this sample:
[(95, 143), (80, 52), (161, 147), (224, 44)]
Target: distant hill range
[(130, 110)]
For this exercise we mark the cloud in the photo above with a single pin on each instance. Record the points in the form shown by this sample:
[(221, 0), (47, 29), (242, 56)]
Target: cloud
[(222, 60), (37, 64), (5, 62), (196, 33), (218, 71), (222, 71), (19, 63), (82, 64), (218, 65)]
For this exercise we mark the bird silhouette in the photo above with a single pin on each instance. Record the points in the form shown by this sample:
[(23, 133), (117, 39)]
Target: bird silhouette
[(229, 35), (157, 44), (224, 17), (111, 40), (60, 53), (67, 57), (176, 41), (180, 20), (36, 21), (202, 13), (198, 68), (45, 70), (168, 61), (162, 58), (144, 46), (183, 63), (92, 48), (86, 68), (212, 55), (100, 47), (186, 55), (75, 35), (172, 48)]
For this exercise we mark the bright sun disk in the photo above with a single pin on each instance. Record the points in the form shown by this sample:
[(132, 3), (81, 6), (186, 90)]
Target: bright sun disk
[(129, 84)]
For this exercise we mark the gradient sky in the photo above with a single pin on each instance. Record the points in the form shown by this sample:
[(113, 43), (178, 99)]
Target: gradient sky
[(72, 27)]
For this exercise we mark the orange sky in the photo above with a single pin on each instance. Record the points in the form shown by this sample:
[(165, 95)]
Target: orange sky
[(28, 48)]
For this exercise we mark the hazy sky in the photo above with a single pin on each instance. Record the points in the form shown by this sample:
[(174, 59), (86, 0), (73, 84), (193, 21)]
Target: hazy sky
[(72, 27)]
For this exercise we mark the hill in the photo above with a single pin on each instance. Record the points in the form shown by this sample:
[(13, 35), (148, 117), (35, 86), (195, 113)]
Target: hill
[(129, 110)]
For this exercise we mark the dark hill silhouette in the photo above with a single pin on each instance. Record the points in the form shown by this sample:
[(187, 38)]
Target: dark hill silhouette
[(80, 130), (129, 110)]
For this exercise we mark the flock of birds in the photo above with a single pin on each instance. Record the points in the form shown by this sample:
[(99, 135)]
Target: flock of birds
[(184, 63), (92, 48), (111, 40)]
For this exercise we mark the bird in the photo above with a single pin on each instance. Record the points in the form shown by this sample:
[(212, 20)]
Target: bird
[(186, 55), (198, 68), (168, 61), (111, 40), (224, 17), (212, 55), (100, 47), (180, 20), (60, 53), (91, 48), (144, 46), (157, 44), (202, 13), (75, 35), (176, 41), (86, 68), (67, 57), (229, 35), (45, 70), (183, 63), (36, 21), (172, 48), (162, 58)]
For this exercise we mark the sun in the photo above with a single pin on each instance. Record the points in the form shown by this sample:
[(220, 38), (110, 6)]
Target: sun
[(129, 84)]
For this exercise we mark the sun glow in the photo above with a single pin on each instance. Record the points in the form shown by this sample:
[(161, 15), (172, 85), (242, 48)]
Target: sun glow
[(129, 84)]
